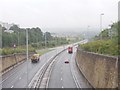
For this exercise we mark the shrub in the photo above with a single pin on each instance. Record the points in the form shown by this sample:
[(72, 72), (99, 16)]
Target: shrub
[(102, 47), (7, 51)]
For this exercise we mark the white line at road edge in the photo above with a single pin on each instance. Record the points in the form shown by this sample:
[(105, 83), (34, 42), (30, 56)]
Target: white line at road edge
[(73, 72), (37, 73), (32, 83), (8, 76)]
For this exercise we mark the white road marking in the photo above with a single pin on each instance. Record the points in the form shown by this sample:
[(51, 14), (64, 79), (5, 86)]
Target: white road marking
[(19, 78), (73, 72), (61, 78), (37, 74), (12, 86)]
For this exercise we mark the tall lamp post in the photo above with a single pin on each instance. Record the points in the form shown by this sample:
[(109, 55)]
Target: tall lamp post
[(88, 31), (18, 38), (45, 40), (27, 53), (27, 43), (101, 23), (45, 45)]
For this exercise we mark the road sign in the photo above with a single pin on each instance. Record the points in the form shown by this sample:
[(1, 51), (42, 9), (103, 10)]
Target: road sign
[(14, 45)]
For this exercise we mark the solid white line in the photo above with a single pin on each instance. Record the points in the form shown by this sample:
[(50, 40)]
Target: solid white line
[(9, 75), (73, 74), (33, 82), (37, 74)]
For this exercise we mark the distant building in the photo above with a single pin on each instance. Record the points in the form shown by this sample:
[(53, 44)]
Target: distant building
[(7, 26), (9, 31)]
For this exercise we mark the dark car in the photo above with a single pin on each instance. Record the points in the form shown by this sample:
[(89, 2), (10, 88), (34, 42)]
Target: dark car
[(66, 61)]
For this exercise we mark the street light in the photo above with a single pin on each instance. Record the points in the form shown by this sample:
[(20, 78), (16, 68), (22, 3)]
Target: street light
[(27, 43), (27, 53), (45, 40), (110, 31), (18, 37), (88, 31), (101, 23)]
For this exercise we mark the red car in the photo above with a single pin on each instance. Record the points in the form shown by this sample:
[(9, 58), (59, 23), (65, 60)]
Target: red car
[(70, 50), (66, 61)]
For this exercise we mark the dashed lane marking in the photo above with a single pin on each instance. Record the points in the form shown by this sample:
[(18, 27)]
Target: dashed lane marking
[(61, 79), (19, 78)]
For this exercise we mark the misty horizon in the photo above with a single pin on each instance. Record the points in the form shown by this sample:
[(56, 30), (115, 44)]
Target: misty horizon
[(59, 13)]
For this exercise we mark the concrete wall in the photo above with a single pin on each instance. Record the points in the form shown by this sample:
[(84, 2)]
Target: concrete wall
[(10, 60), (101, 71), (0, 65)]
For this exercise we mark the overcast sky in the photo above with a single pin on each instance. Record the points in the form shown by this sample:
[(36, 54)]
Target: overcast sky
[(59, 13)]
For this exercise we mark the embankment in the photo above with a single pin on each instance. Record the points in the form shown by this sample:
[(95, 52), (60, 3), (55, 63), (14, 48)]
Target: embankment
[(101, 71)]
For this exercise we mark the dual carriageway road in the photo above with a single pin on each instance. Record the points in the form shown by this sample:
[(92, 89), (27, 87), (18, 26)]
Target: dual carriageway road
[(60, 75)]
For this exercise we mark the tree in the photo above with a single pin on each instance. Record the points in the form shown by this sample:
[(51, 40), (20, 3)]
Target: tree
[(14, 28), (111, 33), (105, 34), (48, 36), (3, 28)]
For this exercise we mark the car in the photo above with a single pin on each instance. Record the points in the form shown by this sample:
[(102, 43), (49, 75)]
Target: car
[(70, 50), (66, 61), (35, 58)]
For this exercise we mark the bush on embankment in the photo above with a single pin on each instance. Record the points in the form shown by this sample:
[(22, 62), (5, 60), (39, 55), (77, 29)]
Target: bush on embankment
[(22, 49), (107, 47)]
